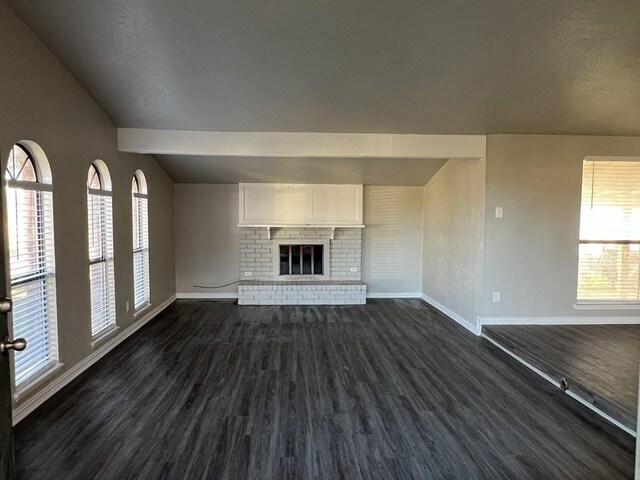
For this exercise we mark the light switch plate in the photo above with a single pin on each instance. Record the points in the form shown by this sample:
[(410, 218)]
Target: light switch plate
[(498, 212)]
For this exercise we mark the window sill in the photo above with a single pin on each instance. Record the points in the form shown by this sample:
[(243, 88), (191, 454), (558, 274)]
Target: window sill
[(104, 335), (142, 310), (607, 306), (37, 381)]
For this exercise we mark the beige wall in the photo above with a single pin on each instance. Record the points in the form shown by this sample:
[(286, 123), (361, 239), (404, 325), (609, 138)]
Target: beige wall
[(392, 240), (531, 254), (207, 237), (41, 102), (454, 238)]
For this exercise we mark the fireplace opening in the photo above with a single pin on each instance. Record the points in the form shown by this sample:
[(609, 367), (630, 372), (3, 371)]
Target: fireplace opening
[(301, 259)]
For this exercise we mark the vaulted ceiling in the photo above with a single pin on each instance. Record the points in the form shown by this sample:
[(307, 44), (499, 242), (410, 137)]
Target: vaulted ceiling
[(356, 66), (418, 66)]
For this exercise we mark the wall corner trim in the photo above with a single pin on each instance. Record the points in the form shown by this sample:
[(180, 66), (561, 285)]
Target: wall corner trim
[(475, 329), (22, 410)]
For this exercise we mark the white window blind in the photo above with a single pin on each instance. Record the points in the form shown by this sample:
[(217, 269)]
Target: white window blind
[(609, 251), (140, 243), (101, 262), (32, 266)]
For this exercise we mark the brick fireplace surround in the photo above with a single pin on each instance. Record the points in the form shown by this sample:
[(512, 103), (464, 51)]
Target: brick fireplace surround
[(265, 286)]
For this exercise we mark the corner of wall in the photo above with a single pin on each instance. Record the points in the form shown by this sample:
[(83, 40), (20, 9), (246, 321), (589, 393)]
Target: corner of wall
[(453, 240)]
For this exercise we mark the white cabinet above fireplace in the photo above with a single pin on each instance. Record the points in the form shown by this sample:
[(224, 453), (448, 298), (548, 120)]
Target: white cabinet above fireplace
[(280, 205)]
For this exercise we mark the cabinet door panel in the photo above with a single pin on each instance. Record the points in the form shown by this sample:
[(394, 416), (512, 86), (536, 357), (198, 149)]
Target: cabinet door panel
[(287, 204), (337, 204)]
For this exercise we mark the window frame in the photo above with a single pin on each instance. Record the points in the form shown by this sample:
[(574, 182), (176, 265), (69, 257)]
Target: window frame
[(601, 303), (44, 271), (103, 196), (141, 248)]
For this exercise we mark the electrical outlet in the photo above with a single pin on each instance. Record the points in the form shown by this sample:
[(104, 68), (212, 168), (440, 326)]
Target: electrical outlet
[(496, 297), (247, 274), (498, 212), (354, 269), (126, 305)]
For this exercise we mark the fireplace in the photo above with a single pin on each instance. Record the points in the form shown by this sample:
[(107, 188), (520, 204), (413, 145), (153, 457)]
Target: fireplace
[(310, 265), (301, 259)]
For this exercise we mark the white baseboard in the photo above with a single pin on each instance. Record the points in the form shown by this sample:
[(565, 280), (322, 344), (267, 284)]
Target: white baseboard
[(207, 295), (631, 320), (473, 328), (394, 295), (587, 404), (30, 404)]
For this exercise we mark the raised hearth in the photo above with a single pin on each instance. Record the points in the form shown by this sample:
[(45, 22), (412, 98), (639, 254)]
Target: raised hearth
[(302, 293)]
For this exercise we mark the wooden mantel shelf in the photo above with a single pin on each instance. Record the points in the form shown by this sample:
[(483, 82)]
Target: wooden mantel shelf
[(298, 225)]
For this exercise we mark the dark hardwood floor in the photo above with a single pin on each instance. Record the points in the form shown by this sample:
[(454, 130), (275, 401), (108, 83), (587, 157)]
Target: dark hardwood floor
[(600, 362), (390, 390)]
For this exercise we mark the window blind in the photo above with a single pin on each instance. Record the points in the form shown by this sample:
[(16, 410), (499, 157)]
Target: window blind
[(609, 250), (32, 265), (101, 261), (140, 251)]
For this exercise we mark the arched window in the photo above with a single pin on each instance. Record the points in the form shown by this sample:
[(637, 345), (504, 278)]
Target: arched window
[(31, 260), (140, 217), (100, 224)]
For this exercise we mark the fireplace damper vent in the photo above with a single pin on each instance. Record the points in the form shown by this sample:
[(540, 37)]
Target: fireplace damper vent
[(301, 259)]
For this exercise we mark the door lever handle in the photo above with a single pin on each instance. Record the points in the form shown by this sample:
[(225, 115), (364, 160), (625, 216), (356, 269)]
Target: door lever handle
[(19, 344)]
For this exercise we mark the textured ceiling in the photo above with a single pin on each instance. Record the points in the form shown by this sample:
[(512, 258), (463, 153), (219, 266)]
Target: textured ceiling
[(366, 171), (418, 66)]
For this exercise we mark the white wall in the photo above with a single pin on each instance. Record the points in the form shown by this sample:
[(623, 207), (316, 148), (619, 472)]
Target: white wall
[(42, 102), (207, 238), (454, 239), (531, 254), (392, 240)]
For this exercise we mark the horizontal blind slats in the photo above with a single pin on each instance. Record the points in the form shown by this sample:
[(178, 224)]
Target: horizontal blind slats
[(32, 267), (140, 251), (101, 265), (610, 212)]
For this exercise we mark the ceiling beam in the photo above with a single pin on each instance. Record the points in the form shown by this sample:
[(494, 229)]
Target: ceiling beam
[(291, 144)]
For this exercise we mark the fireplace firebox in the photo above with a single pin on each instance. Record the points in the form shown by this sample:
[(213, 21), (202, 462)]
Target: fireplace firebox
[(301, 259)]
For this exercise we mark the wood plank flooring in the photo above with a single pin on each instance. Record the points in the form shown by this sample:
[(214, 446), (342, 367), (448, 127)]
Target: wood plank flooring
[(389, 390), (600, 362)]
